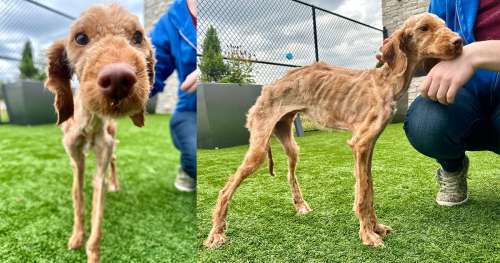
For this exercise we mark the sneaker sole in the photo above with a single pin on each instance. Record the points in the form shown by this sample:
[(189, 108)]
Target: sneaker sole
[(444, 203), (183, 188)]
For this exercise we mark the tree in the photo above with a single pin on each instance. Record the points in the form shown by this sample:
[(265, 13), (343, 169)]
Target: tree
[(212, 64), (27, 67)]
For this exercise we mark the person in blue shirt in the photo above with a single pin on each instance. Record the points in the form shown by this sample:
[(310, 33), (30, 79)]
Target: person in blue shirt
[(459, 106), (174, 40)]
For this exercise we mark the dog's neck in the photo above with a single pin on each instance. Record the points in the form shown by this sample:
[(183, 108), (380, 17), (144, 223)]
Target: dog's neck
[(399, 82), (88, 123)]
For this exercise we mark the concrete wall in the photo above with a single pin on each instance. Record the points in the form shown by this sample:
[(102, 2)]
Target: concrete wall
[(153, 10), (394, 13)]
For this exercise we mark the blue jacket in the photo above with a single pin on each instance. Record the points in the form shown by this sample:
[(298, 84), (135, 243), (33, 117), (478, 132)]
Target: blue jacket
[(460, 16), (174, 40)]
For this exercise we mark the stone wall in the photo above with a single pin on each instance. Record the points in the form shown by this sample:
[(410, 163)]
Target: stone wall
[(394, 13), (153, 10)]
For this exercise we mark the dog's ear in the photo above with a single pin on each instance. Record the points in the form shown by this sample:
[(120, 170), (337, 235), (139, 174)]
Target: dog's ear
[(150, 64), (394, 51), (138, 119), (58, 80)]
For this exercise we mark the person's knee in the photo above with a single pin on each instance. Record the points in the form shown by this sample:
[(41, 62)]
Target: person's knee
[(427, 127)]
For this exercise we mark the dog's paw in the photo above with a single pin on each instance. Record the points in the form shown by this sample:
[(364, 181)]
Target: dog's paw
[(215, 240), (92, 257), (76, 241), (382, 230), (111, 188), (371, 239), (303, 208)]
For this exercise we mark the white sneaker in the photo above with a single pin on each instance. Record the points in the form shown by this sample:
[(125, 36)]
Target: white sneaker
[(184, 182)]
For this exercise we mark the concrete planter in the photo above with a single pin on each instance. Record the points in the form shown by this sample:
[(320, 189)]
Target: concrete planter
[(222, 110), (28, 103), (151, 105)]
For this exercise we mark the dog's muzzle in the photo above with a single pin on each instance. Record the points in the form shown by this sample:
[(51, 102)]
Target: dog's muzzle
[(116, 80)]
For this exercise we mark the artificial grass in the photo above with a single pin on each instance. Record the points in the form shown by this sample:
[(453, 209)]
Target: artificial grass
[(263, 226), (147, 221)]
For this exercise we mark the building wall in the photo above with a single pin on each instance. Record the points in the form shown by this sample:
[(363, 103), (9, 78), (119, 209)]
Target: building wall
[(394, 13), (153, 10)]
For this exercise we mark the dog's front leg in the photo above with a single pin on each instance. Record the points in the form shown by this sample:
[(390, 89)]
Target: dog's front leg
[(104, 151), (370, 232), (73, 145)]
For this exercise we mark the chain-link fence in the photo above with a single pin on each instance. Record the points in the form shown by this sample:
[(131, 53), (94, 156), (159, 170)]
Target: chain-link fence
[(282, 34), (22, 21)]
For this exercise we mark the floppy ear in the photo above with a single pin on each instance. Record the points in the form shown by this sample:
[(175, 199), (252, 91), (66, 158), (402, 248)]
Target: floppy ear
[(138, 119), (58, 80), (393, 52)]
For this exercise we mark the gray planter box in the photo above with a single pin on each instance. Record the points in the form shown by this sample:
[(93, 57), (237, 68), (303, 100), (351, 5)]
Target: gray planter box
[(28, 103), (151, 105), (222, 110)]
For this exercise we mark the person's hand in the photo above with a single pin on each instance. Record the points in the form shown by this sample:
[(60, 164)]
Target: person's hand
[(191, 81), (446, 78)]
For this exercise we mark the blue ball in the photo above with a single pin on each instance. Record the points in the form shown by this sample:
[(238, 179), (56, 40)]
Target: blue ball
[(289, 56)]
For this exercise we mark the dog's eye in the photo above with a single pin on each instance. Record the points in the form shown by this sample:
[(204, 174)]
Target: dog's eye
[(424, 28), (81, 39), (137, 38)]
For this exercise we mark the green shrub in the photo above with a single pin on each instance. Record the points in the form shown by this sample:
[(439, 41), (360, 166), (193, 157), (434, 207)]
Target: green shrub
[(27, 67)]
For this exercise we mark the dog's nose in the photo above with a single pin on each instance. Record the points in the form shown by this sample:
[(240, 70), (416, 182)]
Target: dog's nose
[(457, 41), (116, 80)]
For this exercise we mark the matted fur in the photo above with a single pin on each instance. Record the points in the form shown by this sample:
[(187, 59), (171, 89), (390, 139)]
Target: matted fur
[(362, 101), (87, 120)]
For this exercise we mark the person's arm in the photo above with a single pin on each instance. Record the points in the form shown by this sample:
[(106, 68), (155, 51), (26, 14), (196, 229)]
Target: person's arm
[(447, 77), (485, 55), (165, 62)]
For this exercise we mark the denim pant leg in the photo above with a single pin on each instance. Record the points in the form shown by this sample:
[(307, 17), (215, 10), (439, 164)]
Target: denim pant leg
[(183, 131), (446, 132)]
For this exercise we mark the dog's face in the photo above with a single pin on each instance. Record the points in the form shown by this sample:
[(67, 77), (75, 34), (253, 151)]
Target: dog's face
[(422, 37), (113, 60), (429, 37)]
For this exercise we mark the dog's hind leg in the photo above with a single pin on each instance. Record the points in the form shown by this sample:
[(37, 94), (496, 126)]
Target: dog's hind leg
[(255, 156), (283, 130), (112, 181), (74, 148)]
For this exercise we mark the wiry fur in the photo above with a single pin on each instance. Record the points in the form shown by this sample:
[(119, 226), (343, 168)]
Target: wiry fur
[(362, 101), (87, 120)]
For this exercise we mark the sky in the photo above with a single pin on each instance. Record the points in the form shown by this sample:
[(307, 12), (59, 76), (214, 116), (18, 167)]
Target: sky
[(282, 31), (21, 20), (269, 29)]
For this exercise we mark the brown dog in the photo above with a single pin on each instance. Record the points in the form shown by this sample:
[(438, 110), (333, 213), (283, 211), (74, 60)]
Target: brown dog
[(362, 101), (113, 61)]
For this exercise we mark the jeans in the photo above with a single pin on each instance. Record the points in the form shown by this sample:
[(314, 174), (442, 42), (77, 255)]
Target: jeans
[(183, 131), (444, 133)]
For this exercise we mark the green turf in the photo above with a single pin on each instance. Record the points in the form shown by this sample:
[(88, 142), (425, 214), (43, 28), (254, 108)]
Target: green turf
[(147, 221), (263, 227)]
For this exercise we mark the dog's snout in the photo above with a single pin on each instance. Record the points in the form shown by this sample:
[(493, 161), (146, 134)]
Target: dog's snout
[(116, 80), (457, 41)]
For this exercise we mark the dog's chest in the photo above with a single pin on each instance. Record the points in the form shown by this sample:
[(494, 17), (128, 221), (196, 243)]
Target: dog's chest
[(92, 131)]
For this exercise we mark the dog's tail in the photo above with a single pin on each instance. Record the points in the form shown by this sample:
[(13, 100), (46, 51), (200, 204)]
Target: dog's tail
[(270, 160)]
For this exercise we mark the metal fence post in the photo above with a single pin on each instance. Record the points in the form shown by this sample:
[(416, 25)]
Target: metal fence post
[(315, 31)]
